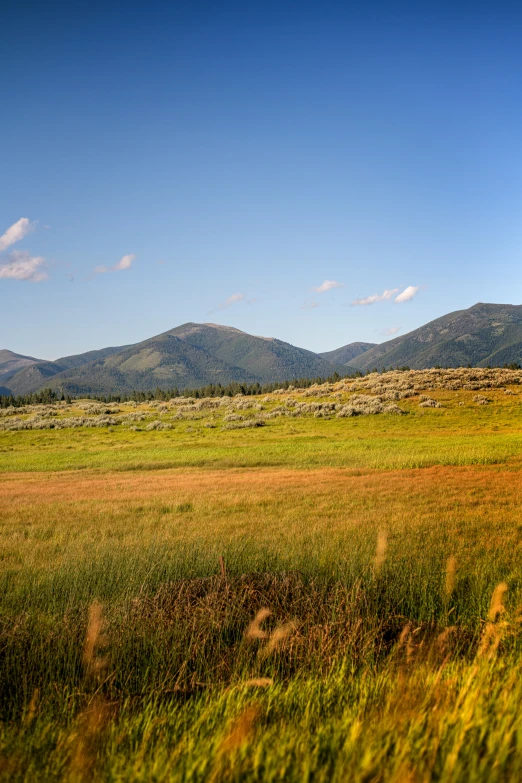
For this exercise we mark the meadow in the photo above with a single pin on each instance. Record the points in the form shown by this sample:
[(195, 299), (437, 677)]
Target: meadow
[(314, 585)]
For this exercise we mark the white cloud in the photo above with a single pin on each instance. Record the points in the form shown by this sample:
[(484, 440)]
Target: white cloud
[(327, 285), (22, 266), (309, 305), (404, 296), (407, 294), (391, 330), (124, 263), (232, 299), (16, 232), (369, 300)]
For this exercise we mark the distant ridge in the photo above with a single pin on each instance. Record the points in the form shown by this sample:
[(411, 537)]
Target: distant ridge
[(39, 375), (348, 352), (190, 355), (11, 363), (485, 334), (194, 355)]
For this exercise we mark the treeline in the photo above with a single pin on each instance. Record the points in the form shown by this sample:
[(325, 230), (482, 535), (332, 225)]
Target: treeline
[(49, 396)]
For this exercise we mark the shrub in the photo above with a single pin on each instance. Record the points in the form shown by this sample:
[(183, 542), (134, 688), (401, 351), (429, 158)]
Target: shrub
[(241, 425), (427, 402)]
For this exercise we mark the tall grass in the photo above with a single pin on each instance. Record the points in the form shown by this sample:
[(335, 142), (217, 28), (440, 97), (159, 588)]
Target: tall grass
[(321, 624), (262, 677)]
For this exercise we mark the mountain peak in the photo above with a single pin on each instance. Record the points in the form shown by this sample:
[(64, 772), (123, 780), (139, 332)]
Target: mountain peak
[(194, 355), (223, 328), (191, 355), (348, 352), (492, 306), (6, 355), (191, 327), (484, 334)]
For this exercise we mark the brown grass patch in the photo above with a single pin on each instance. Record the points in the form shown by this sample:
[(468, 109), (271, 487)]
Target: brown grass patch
[(488, 481)]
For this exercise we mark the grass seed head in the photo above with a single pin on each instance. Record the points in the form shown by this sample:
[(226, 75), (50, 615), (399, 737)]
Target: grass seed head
[(32, 707), (451, 571), (380, 551), (259, 682), (254, 630), (496, 607), (85, 742), (94, 641), (277, 638)]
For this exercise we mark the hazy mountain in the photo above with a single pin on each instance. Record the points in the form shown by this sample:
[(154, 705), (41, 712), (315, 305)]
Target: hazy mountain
[(265, 358), (348, 352), (189, 356), (11, 363), (70, 362), (39, 374), (195, 355), (485, 334)]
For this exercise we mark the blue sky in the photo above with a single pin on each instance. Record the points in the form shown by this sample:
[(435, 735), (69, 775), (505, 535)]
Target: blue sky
[(220, 161)]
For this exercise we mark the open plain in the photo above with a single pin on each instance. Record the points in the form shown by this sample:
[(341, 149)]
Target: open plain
[(317, 584)]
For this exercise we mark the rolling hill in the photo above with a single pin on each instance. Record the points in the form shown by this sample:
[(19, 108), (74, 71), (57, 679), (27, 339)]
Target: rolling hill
[(194, 355), (11, 363), (40, 374), (190, 355), (265, 358), (485, 334), (348, 352)]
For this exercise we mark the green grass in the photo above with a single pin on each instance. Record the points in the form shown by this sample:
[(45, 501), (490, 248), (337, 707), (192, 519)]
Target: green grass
[(450, 436), (362, 672)]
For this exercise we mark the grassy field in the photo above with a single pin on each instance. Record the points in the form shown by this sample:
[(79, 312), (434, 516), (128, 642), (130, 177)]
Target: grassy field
[(314, 595)]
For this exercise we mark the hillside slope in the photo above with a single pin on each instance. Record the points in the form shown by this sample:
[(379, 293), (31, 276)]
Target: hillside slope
[(190, 355), (267, 358), (348, 352), (485, 334), (11, 363), (39, 374), (194, 355)]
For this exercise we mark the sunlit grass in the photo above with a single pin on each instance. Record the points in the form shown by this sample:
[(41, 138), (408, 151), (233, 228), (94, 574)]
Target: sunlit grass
[(448, 436), (125, 653)]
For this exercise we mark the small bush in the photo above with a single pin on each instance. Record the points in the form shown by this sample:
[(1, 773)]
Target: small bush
[(242, 425), (427, 402)]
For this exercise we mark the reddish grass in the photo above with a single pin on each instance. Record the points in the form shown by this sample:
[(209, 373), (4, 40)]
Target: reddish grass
[(489, 483)]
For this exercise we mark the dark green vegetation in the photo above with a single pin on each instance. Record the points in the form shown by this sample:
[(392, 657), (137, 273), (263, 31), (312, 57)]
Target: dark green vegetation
[(11, 363), (329, 597), (484, 335), (47, 396), (201, 355), (345, 354), (40, 374), (190, 355)]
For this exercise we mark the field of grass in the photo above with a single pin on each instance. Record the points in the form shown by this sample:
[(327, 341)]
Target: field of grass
[(321, 598)]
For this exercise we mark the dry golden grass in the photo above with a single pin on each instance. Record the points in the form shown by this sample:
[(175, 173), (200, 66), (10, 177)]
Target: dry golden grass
[(274, 483), (274, 622)]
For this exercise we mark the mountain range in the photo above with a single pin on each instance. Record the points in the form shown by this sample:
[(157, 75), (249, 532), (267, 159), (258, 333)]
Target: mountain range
[(195, 355), (190, 355), (482, 335), (347, 353)]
